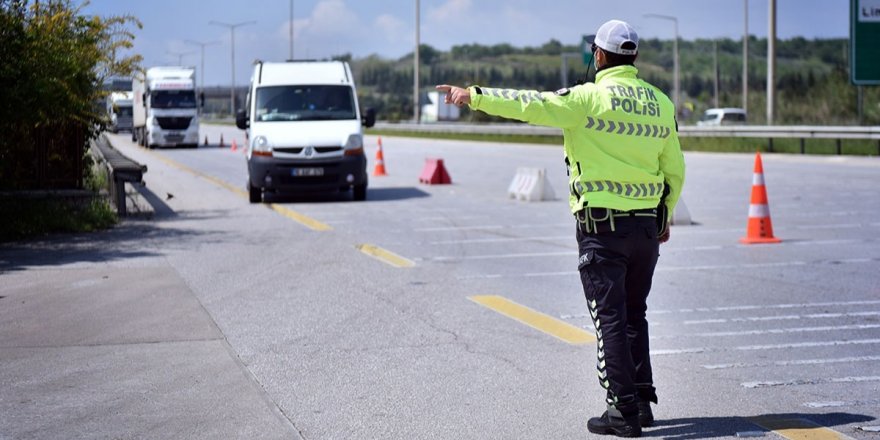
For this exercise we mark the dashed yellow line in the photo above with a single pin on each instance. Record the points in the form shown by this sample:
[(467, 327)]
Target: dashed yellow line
[(287, 212), (537, 320), (797, 429), (385, 256)]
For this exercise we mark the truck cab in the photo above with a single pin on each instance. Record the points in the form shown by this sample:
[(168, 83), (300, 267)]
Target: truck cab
[(304, 129), (119, 111), (165, 110)]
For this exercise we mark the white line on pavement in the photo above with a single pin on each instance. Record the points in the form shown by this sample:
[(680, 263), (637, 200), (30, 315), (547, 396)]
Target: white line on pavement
[(772, 331), (782, 317), (792, 382), (764, 347), (794, 362)]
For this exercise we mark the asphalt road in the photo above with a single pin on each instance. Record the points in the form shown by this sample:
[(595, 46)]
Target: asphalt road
[(214, 318)]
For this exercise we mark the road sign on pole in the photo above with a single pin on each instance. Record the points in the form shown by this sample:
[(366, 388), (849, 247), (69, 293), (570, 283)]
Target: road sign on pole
[(586, 43), (864, 42)]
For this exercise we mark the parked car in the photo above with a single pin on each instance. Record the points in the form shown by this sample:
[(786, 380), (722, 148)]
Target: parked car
[(723, 116), (305, 129)]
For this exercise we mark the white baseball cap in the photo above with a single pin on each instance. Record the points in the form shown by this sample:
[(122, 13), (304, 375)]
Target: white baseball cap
[(614, 34)]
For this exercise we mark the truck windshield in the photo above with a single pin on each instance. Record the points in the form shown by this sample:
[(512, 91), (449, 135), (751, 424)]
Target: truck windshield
[(304, 103), (123, 111), (173, 99)]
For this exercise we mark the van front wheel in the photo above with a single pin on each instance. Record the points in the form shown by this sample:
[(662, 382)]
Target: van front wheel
[(255, 195), (359, 192)]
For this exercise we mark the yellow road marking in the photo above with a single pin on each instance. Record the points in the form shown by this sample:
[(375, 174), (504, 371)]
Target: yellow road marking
[(797, 429), (537, 320), (287, 212), (301, 218), (385, 256)]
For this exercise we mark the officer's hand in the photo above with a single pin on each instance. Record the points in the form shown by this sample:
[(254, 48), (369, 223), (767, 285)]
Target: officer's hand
[(665, 237), (455, 95)]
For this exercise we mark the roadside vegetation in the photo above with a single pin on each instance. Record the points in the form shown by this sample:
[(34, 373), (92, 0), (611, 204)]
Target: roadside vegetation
[(812, 77), (55, 61)]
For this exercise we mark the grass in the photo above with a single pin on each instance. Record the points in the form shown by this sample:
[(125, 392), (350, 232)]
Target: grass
[(29, 215)]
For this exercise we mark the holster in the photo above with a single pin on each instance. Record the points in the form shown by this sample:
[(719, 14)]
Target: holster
[(663, 212)]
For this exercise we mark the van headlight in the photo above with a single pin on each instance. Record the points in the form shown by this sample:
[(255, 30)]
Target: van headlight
[(260, 146), (354, 146)]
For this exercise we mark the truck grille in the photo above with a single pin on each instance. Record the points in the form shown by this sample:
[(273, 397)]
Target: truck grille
[(174, 123)]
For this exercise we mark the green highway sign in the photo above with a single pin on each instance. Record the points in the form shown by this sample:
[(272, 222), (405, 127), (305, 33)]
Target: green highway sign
[(586, 43), (864, 42)]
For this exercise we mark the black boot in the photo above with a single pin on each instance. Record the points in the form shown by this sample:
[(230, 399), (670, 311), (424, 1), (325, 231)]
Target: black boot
[(614, 423), (646, 416)]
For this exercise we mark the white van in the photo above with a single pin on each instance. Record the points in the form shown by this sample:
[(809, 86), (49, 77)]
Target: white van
[(723, 116), (304, 129)]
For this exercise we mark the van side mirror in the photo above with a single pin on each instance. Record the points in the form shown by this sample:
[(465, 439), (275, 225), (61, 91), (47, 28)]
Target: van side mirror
[(369, 118), (241, 119)]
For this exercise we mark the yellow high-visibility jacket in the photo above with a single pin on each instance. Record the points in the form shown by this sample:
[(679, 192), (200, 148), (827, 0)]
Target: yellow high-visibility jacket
[(620, 137)]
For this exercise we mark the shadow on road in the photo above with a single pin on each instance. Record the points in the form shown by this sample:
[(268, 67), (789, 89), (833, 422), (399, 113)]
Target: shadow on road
[(714, 427), (373, 194)]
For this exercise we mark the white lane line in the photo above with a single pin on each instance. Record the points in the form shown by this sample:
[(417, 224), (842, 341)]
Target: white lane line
[(771, 306), (502, 240), (782, 318), (837, 403), (687, 268), (772, 331), (794, 382), (764, 347), (492, 227), (504, 256), (841, 360)]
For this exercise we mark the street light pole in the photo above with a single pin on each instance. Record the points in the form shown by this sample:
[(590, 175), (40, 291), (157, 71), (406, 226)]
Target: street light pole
[(416, 69), (232, 27), (771, 60), (291, 30), (202, 66), (745, 79), (179, 56), (675, 69)]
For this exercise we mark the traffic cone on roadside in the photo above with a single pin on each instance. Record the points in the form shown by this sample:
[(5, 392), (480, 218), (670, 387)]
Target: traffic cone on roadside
[(379, 170), (234, 147), (760, 228)]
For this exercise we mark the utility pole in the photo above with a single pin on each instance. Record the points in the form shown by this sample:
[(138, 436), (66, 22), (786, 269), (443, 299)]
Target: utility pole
[(416, 69), (180, 56), (232, 27), (715, 69), (676, 93), (745, 78), (771, 60), (291, 30), (202, 67)]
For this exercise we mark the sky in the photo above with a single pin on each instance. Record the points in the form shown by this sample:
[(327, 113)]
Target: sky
[(323, 28)]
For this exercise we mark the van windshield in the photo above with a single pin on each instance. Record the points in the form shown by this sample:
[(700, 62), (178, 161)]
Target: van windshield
[(173, 99), (304, 103)]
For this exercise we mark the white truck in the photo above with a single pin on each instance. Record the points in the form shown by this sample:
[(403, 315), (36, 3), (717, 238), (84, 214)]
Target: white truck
[(305, 129), (165, 107), (119, 112)]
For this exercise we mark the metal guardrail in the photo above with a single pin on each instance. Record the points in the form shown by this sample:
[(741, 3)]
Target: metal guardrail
[(801, 132), (120, 168)]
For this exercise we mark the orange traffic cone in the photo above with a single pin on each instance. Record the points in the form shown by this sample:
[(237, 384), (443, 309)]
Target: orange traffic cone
[(760, 228), (379, 170), (221, 140), (234, 147)]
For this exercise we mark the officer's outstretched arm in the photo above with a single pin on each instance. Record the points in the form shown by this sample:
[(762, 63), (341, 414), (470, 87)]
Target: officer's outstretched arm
[(563, 109)]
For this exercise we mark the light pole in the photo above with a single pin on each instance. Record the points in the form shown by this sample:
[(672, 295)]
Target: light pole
[(202, 67), (232, 27), (676, 92), (771, 60), (179, 56), (416, 69), (291, 30), (746, 58)]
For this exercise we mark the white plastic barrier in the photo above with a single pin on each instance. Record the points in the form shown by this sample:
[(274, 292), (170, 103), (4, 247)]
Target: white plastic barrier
[(531, 184), (681, 215)]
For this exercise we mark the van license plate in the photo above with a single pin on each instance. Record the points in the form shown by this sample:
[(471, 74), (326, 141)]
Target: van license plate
[(307, 172)]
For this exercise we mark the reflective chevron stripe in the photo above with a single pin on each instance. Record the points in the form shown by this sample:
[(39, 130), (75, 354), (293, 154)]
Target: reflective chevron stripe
[(635, 190), (526, 96), (628, 128)]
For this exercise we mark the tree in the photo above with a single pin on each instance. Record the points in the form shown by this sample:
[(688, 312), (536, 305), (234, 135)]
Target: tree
[(58, 60)]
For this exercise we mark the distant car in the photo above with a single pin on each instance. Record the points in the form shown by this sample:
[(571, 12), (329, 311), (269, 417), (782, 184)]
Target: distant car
[(723, 116)]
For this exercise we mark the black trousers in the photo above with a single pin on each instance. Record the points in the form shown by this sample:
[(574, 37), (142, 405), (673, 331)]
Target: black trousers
[(616, 269)]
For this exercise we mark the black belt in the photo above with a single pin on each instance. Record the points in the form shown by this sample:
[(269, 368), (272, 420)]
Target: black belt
[(599, 220)]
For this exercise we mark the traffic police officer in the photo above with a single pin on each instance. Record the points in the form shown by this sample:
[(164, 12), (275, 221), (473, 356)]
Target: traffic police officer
[(625, 172)]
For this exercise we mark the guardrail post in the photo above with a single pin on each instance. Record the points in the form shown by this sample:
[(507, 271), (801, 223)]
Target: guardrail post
[(803, 145), (839, 149), (878, 147), (770, 146), (119, 185)]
